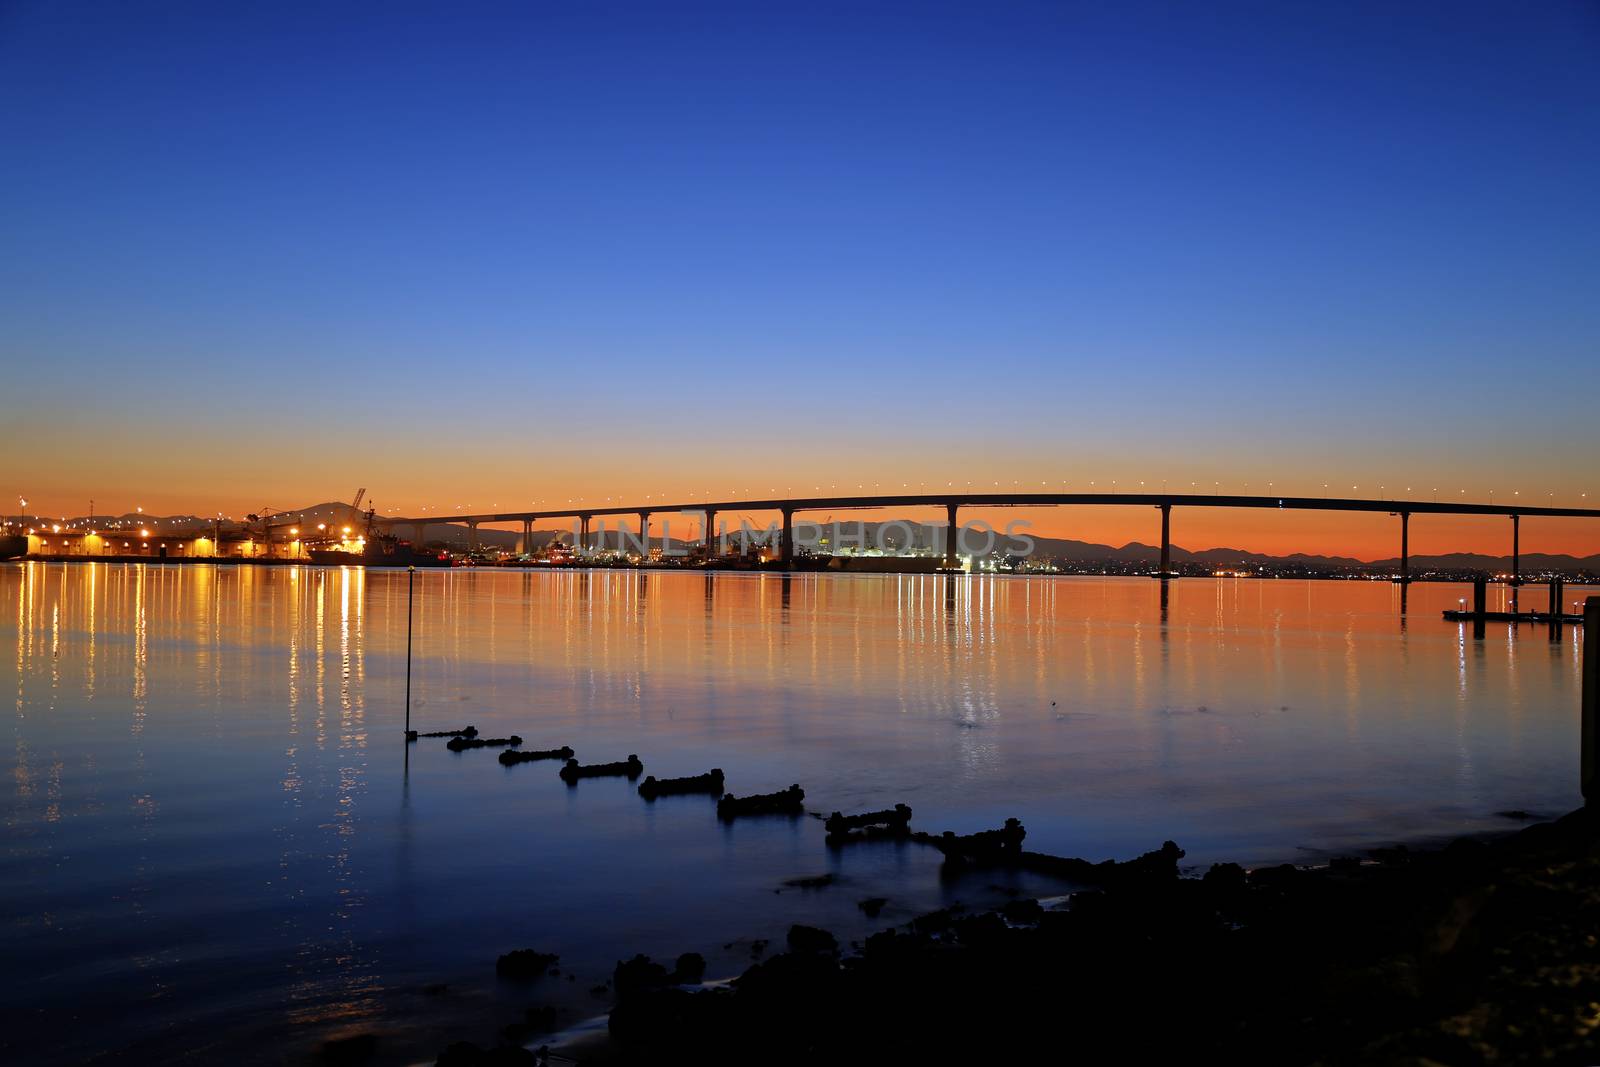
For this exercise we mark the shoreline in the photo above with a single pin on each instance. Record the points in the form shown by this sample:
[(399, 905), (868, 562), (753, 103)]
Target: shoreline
[(1475, 952)]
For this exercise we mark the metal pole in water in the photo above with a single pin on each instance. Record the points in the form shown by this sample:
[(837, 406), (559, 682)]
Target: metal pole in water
[(411, 585), (1591, 701)]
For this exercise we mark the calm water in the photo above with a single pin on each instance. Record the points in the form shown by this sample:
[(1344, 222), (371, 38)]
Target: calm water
[(217, 845)]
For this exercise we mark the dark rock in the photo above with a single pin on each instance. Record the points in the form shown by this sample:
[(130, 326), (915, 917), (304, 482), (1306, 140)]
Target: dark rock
[(872, 906), (466, 1054), (1225, 877), (628, 768), (710, 782), (810, 939), (358, 1048), (461, 744), (529, 755), (1516, 814), (639, 973), (1022, 911), (690, 969), (524, 964), (787, 802)]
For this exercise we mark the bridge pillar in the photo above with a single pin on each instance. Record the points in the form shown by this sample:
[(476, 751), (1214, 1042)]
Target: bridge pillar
[(1589, 736), (1405, 547), (1555, 597), (472, 536), (419, 531), (786, 545), (644, 533), (952, 534), (526, 544), (583, 534), (710, 537), (1516, 549), (1166, 540)]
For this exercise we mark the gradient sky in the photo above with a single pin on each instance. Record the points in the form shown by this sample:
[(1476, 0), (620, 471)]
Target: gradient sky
[(484, 255)]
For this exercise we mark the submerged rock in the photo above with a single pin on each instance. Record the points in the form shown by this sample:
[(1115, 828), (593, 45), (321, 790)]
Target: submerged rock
[(872, 906), (815, 881), (897, 816), (458, 744), (786, 802), (530, 754), (628, 768), (710, 782)]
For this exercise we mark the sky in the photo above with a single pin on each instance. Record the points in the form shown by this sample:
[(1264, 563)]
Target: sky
[(479, 255)]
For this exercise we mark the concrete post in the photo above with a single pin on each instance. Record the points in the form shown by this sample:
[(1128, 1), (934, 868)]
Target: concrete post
[(472, 537), (1480, 596), (1555, 597), (1166, 540), (710, 532), (952, 534), (1405, 546), (1516, 550), (419, 530), (583, 534), (1590, 734), (644, 533), (786, 545)]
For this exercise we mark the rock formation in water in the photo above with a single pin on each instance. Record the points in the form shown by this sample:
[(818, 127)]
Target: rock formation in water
[(628, 768), (710, 782)]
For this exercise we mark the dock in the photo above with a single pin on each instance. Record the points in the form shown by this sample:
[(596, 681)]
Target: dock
[(1544, 618)]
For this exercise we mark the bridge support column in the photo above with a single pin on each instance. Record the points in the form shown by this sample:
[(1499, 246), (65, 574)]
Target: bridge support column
[(1166, 540), (952, 534), (583, 534), (1405, 547), (472, 537), (710, 533), (525, 545), (1589, 738), (419, 531), (786, 544), (644, 533), (1516, 549)]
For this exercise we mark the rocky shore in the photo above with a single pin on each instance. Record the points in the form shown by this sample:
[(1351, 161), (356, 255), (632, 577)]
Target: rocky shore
[(1483, 952)]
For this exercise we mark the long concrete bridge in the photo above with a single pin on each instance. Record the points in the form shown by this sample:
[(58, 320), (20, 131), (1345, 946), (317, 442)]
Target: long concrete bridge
[(1164, 502)]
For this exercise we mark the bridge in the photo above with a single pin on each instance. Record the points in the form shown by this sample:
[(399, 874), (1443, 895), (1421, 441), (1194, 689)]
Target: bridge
[(952, 503)]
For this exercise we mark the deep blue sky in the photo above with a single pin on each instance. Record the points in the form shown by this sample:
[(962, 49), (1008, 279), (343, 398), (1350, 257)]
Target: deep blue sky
[(567, 248)]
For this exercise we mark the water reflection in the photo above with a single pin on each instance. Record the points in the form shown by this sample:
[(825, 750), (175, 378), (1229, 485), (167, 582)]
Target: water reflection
[(203, 758)]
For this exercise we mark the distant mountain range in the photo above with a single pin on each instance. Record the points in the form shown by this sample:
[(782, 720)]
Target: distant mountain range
[(928, 536)]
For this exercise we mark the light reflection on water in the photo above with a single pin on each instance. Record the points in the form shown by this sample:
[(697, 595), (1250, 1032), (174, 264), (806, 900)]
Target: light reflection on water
[(213, 827)]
